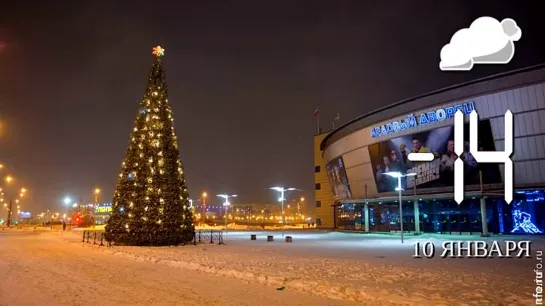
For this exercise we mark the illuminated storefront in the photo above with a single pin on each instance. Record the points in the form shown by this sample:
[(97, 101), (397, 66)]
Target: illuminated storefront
[(524, 216), (357, 155)]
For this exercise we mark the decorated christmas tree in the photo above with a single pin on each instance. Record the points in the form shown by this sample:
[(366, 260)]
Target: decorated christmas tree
[(151, 201)]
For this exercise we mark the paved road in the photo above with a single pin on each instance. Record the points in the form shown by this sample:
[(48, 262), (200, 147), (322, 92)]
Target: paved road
[(37, 269)]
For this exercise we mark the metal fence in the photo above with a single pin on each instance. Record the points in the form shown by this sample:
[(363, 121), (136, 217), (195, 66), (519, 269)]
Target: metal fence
[(210, 237), (94, 237)]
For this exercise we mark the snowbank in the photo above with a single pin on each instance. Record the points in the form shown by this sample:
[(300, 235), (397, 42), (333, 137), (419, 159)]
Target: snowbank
[(306, 266)]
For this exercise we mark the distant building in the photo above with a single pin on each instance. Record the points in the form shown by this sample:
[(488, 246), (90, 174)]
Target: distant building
[(353, 163), (102, 213)]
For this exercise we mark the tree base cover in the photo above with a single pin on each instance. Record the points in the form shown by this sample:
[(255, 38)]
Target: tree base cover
[(150, 236)]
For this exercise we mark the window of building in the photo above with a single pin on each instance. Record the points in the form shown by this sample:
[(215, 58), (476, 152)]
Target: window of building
[(316, 169), (318, 203), (318, 221), (318, 186)]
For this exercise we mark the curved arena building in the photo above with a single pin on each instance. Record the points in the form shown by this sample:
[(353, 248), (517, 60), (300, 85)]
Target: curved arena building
[(354, 193)]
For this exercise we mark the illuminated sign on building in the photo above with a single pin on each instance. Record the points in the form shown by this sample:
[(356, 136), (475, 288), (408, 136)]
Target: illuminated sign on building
[(103, 209), (413, 121), (25, 215)]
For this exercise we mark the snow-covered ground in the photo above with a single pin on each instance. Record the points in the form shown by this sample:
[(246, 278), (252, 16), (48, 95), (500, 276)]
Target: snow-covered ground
[(364, 268), (44, 268)]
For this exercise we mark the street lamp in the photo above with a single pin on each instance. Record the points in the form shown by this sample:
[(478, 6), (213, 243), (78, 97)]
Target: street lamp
[(8, 180), (282, 199), (96, 192), (67, 202), (399, 175), (226, 205), (204, 195)]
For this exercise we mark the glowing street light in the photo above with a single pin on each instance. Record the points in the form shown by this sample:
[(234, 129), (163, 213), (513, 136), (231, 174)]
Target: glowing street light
[(96, 192), (9, 179), (282, 190), (67, 201), (226, 204), (203, 197), (399, 175)]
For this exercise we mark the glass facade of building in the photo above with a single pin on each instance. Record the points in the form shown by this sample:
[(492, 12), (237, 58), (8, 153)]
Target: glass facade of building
[(525, 215)]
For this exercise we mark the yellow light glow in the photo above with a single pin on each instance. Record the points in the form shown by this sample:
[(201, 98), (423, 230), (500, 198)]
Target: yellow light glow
[(9, 179), (204, 194), (97, 190)]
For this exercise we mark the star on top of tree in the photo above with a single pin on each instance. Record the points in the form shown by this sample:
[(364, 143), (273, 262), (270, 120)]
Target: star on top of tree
[(158, 51)]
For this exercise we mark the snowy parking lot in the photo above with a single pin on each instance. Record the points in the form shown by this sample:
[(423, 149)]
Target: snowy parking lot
[(368, 269)]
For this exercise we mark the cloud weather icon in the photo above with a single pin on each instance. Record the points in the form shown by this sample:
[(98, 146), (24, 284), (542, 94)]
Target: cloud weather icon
[(486, 41)]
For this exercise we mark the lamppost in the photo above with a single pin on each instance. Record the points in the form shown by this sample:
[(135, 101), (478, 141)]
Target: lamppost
[(18, 211), (204, 195), (226, 205), (10, 207), (8, 180), (21, 195), (96, 193), (282, 199), (399, 175), (67, 202)]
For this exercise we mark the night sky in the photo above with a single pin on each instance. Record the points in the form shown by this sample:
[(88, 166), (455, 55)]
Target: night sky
[(244, 79)]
